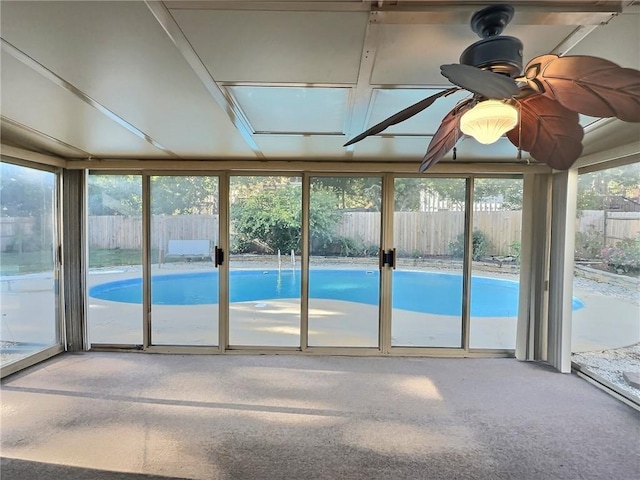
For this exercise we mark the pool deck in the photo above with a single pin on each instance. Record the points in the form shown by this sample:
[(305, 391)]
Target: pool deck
[(605, 322)]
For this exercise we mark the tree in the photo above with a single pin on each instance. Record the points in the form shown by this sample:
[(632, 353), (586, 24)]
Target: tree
[(115, 195), (25, 192), (354, 192), (595, 188), (271, 217), (408, 191), (184, 195), (28, 193), (170, 195)]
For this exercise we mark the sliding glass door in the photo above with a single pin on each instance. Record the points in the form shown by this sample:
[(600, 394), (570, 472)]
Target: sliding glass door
[(184, 281), (344, 272), (264, 263), (253, 294), (114, 277), (29, 270), (429, 237)]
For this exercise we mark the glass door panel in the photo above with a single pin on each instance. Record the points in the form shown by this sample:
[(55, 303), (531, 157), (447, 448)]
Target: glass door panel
[(115, 259), (28, 267), (497, 223), (264, 264), (429, 240), (344, 275), (184, 280)]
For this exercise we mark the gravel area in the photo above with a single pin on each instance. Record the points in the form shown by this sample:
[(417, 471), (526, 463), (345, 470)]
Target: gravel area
[(611, 364)]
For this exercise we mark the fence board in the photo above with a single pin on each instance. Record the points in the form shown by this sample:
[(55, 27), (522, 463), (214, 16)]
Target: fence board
[(428, 233)]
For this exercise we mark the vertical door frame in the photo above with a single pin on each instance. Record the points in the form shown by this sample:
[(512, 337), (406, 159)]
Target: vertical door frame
[(304, 260), (386, 271), (223, 270)]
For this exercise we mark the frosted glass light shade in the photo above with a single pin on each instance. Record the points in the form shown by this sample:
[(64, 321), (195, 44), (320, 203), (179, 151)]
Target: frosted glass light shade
[(489, 120)]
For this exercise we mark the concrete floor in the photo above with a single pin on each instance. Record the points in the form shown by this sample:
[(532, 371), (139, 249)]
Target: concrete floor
[(604, 323)]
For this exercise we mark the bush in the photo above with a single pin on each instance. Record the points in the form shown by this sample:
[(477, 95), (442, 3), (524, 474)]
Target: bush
[(273, 218), (624, 257), (481, 245), (589, 244), (344, 246), (515, 249)]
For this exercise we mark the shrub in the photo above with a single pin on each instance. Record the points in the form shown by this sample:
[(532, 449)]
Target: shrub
[(481, 245), (589, 243), (515, 249), (624, 257), (273, 219)]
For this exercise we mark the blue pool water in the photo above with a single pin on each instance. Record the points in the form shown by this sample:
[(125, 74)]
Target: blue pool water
[(424, 292)]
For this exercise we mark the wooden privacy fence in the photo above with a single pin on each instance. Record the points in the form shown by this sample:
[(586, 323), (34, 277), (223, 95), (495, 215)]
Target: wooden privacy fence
[(614, 226), (117, 231), (428, 233), (431, 233)]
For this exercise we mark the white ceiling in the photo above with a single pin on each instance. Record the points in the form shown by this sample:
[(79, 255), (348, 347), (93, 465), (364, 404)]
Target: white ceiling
[(267, 80)]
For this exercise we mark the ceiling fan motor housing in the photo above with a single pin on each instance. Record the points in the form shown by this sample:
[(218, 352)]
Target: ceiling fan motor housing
[(500, 54)]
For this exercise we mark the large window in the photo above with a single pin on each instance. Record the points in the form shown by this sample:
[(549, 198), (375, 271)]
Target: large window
[(606, 317), (28, 267)]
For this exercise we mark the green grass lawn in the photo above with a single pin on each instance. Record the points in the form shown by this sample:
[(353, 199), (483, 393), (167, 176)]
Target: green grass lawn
[(15, 263)]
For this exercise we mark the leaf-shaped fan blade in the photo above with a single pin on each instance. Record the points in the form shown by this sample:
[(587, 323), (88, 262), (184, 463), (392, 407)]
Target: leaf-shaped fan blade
[(446, 137), (548, 131), (401, 116), (482, 82), (588, 85)]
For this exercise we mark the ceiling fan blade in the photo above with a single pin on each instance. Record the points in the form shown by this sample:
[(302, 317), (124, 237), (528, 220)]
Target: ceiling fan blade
[(401, 116), (588, 85), (446, 136), (482, 82), (548, 131)]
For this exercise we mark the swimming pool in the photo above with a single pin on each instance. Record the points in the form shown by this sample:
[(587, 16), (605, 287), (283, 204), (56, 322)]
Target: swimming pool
[(423, 292)]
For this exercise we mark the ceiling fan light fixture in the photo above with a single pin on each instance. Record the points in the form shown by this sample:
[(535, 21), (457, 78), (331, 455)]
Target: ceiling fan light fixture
[(489, 120)]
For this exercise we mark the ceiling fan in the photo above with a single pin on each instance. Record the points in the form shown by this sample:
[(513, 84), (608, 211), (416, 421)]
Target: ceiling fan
[(536, 107)]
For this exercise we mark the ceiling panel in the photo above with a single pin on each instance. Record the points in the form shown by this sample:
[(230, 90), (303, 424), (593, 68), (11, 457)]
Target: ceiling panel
[(30, 99), (468, 149), (261, 46), (293, 109), (390, 149), (302, 147), (618, 41), (414, 148), (295, 71), (21, 136), (613, 133), (386, 102), (412, 54), (117, 53)]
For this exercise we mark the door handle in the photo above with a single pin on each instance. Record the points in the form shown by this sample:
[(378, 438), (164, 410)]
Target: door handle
[(218, 256), (388, 258)]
